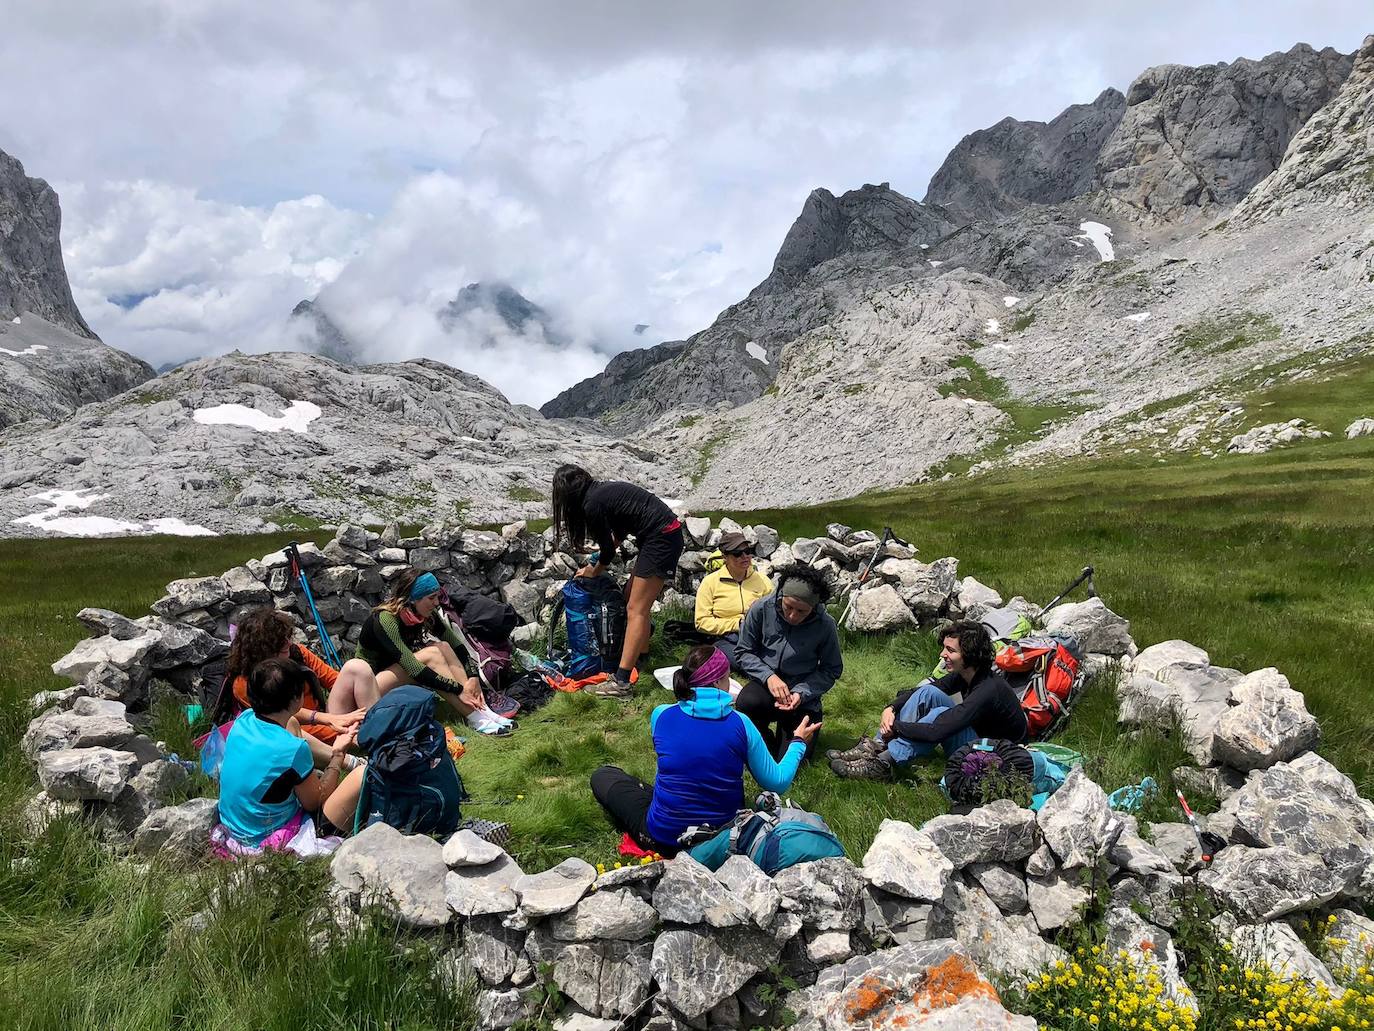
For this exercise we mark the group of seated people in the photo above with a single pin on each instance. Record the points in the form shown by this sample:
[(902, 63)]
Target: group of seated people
[(287, 754)]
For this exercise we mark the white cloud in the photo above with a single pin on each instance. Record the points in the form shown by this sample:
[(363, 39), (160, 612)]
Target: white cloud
[(618, 163)]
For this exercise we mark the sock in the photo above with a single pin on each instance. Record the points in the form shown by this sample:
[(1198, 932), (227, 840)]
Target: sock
[(623, 674)]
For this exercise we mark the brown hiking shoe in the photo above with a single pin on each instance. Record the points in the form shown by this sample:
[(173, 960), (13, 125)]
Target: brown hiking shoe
[(866, 746), (610, 688), (866, 767)]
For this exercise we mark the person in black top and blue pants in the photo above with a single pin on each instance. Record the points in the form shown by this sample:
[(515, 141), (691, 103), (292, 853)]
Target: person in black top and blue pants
[(607, 513)]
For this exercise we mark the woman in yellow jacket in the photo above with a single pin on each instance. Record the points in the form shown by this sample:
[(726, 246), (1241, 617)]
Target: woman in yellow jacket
[(726, 594)]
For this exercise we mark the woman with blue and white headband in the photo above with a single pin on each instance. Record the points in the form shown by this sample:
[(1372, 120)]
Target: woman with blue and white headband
[(407, 640)]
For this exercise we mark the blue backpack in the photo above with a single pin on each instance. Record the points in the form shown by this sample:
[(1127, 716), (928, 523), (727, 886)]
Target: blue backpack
[(411, 782), (772, 839), (595, 611)]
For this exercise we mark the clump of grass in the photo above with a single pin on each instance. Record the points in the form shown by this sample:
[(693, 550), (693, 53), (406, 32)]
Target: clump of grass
[(1022, 322), (523, 492), (688, 421), (854, 389), (706, 452)]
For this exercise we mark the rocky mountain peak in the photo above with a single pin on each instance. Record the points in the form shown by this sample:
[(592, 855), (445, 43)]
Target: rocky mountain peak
[(32, 275), (1331, 157), (321, 331), (1199, 138), (1000, 170), (871, 217)]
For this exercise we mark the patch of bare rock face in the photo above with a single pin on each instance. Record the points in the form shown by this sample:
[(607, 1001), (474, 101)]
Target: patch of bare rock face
[(915, 932)]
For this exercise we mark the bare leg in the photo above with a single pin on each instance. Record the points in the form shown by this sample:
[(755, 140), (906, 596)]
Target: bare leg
[(356, 688), (644, 591), (393, 676), (440, 658), (340, 807)]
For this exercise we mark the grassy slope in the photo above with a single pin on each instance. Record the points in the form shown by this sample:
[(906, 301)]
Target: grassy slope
[(1262, 560)]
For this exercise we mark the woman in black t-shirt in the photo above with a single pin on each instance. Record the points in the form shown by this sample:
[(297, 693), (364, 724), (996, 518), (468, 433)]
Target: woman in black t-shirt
[(607, 513)]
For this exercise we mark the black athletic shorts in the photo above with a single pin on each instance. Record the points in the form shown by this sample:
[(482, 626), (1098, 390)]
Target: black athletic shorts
[(658, 554)]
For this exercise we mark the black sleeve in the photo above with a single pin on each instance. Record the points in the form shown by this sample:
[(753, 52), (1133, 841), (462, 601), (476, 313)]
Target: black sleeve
[(280, 789), (902, 698), (965, 714)]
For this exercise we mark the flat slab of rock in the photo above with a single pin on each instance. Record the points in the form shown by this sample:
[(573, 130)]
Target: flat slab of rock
[(827, 894), (1000, 832), (86, 774), (905, 861), (1056, 900), (618, 915), (483, 890), (1076, 822), (696, 968), (1263, 884), (556, 890), (464, 848), (403, 873), (1159, 660), (92, 651), (995, 943), (1257, 734), (742, 877)]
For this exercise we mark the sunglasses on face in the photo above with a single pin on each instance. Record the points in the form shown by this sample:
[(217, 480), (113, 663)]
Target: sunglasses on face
[(739, 554)]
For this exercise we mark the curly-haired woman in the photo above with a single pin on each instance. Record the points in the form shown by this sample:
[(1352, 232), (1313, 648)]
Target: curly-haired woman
[(927, 716), (334, 702), (790, 650), (407, 640)]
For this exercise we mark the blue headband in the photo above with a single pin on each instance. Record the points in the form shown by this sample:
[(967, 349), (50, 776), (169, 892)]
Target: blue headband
[(425, 584)]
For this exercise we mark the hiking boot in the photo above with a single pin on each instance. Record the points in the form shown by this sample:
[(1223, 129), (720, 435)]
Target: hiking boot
[(612, 687), (865, 767), (866, 746), (501, 704)]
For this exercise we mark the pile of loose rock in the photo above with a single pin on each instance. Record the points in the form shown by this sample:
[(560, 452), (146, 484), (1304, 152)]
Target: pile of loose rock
[(1274, 434), (671, 945)]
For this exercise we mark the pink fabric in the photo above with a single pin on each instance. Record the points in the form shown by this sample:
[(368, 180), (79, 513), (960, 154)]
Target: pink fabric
[(710, 671), (296, 835)]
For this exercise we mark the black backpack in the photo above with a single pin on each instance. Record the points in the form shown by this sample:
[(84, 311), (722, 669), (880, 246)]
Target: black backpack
[(490, 620), (411, 782)]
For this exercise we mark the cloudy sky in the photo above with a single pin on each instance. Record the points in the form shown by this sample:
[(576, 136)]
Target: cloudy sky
[(617, 162)]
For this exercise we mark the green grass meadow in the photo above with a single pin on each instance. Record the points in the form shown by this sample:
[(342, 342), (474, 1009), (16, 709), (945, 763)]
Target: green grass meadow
[(1262, 560)]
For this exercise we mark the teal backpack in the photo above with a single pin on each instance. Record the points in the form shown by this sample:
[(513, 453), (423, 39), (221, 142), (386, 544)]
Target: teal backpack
[(772, 839)]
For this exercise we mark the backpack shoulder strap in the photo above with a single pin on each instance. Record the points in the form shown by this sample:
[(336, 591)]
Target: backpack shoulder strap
[(555, 614)]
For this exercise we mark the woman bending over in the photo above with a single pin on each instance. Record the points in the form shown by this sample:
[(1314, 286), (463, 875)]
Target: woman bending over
[(608, 513)]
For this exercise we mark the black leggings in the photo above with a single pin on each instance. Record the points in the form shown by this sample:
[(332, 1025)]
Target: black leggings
[(756, 703), (626, 800)]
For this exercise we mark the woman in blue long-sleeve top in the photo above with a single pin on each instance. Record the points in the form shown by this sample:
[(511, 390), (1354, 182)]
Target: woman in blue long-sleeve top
[(703, 749)]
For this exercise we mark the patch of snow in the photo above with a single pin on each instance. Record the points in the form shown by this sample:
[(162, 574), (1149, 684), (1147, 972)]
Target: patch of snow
[(15, 320), (32, 349), (60, 501), (925, 246), (1003, 347), (992, 326), (1140, 316), (1100, 236), (755, 351), (295, 417), (1011, 302), (936, 264)]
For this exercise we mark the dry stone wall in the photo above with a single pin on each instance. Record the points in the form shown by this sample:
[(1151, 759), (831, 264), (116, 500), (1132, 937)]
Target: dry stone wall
[(671, 945)]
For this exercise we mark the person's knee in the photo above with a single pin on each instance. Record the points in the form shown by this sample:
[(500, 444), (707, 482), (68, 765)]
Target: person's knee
[(357, 668), (602, 779)]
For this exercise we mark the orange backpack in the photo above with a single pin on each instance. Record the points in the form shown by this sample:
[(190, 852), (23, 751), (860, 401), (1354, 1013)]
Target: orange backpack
[(1046, 673)]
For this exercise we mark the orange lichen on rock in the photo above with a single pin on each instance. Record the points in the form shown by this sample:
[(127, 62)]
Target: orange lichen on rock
[(952, 981), (867, 998)]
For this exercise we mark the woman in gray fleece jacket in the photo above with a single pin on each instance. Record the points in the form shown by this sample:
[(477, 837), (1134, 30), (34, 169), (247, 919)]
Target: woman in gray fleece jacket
[(790, 650)]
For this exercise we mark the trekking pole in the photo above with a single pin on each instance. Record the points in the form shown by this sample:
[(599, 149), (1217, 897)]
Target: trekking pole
[(1208, 843), (1086, 574), (867, 570), (293, 558)]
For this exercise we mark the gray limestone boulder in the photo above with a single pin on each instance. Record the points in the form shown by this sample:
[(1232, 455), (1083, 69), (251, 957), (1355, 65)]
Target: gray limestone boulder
[(605, 978), (1262, 884), (464, 848), (492, 949), (556, 890), (879, 610), (1057, 900), (181, 829), (56, 729), (1134, 854), (160, 779), (181, 645), (826, 894), (1003, 884), (1255, 735), (198, 592), (905, 861), (86, 774), (483, 890), (1179, 844), (642, 875), (1351, 942), (895, 918), (101, 622), (995, 944), (1096, 627), (1309, 806), (108, 681), (1150, 948), (1000, 832), (92, 651), (931, 588), (498, 1010), (1076, 822), (617, 915), (751, 886), (1278, 947), (697, 968), (402, 873), (688, 893), (975, 598), (43, 810), (1159, 660)]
